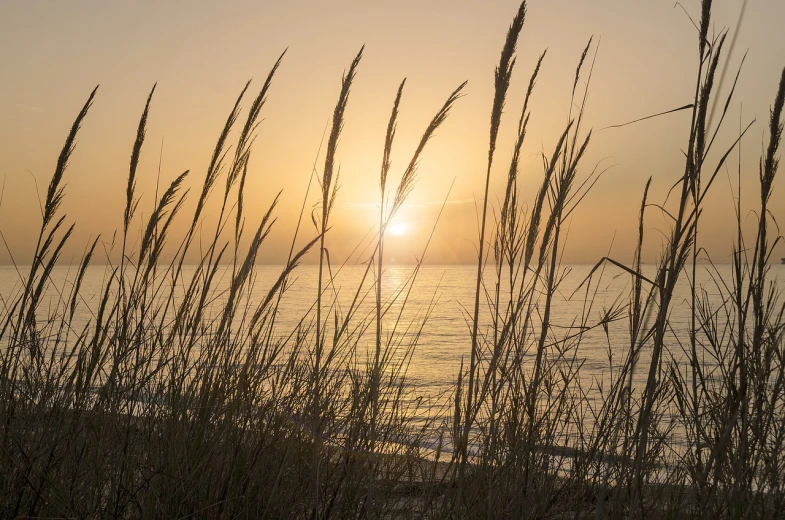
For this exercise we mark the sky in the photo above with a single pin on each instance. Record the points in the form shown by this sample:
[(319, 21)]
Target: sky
[(202, 52)]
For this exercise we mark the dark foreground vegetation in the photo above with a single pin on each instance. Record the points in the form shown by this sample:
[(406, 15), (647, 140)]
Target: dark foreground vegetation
[(159, 408)]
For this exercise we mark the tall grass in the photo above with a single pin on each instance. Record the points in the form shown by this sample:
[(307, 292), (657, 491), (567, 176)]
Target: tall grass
[(184, 396)]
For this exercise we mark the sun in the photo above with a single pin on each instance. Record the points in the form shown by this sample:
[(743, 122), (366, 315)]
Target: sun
[(398, 229)]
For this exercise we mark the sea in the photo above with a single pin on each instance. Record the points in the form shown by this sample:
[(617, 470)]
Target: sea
[(429, 311)]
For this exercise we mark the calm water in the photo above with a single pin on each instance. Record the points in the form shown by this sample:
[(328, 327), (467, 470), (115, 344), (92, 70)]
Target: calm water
[(448, 292)]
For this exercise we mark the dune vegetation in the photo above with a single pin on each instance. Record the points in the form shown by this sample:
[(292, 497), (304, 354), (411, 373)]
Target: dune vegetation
[(183, 397)]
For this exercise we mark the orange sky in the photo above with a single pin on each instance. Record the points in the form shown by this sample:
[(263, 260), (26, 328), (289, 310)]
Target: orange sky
[(202, 52)]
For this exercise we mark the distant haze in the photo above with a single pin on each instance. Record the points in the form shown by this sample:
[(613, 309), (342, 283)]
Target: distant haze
[(201, 53)]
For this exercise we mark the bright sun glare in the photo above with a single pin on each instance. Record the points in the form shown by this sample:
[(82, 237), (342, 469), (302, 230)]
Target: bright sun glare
[(398, 229)]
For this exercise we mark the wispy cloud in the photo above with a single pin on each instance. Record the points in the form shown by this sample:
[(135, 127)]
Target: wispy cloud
[(375, 205), (358, 205), (29, 108), (449, 202)]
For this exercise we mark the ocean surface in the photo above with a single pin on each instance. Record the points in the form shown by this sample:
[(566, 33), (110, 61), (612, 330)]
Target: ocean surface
[(433, 313)]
